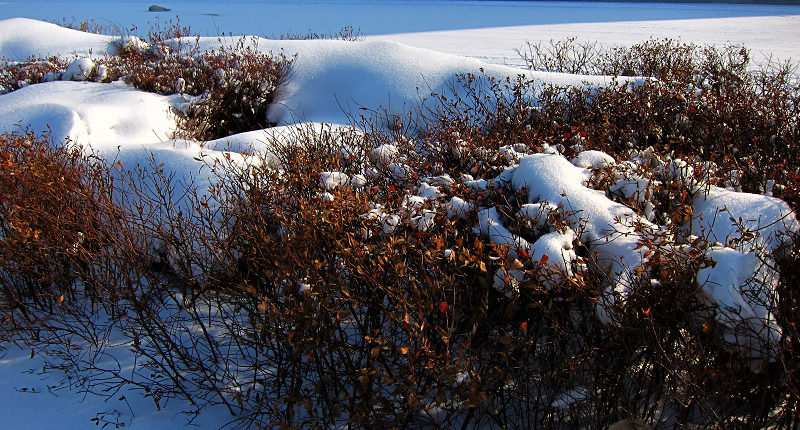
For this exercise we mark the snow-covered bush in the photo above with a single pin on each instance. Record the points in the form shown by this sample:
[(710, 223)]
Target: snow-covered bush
[(15, 75), (226, 91)]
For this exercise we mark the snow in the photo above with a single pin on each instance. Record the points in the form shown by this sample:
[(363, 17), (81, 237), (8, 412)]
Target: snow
[(726, 216), (606, 226), (78, 70), (331, 80), (377, 75), (742, 286), (18, 44), (557, 251), (333, 180), (776, 36), (104, 116), (593, 160)]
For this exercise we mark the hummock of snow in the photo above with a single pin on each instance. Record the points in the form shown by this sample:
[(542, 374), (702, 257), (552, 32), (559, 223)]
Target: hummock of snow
[(79, 70), (458, 208), (331, 79), (21, 38), (556, 250), (604, 225), (593, 160), (333, 180), (104, 116), (724, 216), (742, 286)]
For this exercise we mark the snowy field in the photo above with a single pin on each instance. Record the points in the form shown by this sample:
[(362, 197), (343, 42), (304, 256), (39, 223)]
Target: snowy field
[(409, 45)]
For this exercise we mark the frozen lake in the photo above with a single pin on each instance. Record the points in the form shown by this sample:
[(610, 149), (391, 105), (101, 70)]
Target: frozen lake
[(375, 17)]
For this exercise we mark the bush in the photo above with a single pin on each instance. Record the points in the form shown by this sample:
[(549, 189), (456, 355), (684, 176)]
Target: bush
[(347, 33), (55, 216), (14, 76), (704, 103)]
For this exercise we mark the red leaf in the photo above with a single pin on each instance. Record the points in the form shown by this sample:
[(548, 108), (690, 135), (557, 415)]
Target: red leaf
[(443, 306)]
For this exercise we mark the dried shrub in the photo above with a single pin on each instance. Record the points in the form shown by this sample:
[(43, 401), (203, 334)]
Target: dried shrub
[(706, 102), (228, 91), (347, 33), (54, 217), (15, 75), (706, 116)]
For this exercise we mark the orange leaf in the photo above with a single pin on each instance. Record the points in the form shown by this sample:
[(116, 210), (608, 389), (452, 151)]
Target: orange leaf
[(403, 350), (544, 259)]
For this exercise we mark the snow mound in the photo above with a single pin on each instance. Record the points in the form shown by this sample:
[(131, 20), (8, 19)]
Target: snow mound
[(742, 286), (22, 38), (605, 226), (103, 116), (593, 160), (727, 216), (331, 79)]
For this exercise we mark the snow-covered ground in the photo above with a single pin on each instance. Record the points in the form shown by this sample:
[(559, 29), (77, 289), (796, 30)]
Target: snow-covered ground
[(768, 36), (331, 78)]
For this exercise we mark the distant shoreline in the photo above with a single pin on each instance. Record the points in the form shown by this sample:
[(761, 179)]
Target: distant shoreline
[(763, 2)]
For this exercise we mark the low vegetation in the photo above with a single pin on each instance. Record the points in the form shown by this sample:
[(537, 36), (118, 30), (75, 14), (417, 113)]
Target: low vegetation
[(318, 295)]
